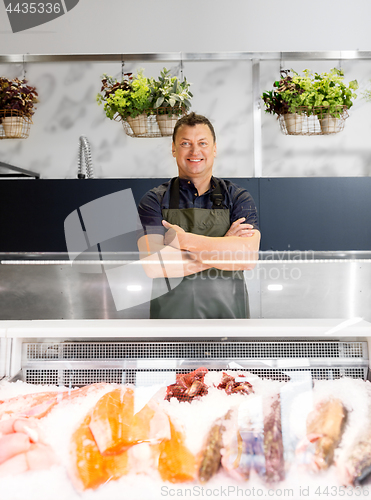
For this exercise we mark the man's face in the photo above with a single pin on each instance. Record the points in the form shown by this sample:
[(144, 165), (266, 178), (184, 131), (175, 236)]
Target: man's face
[(194, 150)]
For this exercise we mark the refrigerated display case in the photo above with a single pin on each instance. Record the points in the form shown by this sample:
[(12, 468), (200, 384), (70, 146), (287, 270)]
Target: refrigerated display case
[(307, 342)]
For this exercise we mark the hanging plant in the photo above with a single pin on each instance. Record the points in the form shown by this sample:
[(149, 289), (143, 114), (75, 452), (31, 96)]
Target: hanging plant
[(17, 106), (126, 98), (322, 96), (170, 99), (151, 107), (169, 95)]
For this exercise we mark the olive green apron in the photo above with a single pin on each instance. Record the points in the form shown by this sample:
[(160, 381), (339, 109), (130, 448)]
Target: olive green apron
[(209, 294)]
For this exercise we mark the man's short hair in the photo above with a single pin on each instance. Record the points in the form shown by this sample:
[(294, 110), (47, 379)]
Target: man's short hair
[(191, 120)]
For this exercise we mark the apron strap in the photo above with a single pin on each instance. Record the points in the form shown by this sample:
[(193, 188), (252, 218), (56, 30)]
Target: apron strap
[(217, 196), (174, 194)]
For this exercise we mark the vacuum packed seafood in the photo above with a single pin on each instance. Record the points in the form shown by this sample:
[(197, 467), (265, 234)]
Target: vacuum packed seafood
[(325, 426), (106, 436), (210, 455)]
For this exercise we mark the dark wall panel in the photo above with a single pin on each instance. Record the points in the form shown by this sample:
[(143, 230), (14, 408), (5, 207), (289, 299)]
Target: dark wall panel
[(316, 213), (32, 212), (294, 213)]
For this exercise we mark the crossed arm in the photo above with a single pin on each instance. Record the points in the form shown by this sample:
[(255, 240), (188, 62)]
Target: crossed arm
[(179, 253)]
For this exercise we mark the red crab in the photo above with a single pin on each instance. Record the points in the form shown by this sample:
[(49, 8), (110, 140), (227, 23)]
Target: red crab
[(188, 386), (229, 384)]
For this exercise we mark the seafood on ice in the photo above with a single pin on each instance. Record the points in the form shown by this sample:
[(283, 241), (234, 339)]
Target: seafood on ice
[(112, 440), (354, 464), (30, 405), (273, 442), (176, 463), (244, 440), (325, 427), (353, 460), (39, 404), (253, 441), (235, 385), (22, 447), (22, 444), (211, 453), (188, 386), (128, 436)]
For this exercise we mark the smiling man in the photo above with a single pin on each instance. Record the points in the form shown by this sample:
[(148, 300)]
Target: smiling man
[(212, 224)]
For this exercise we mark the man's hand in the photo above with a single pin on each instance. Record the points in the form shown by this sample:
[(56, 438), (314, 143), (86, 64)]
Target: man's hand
[(172, 236), (178, 263), (238, 228), (243, 241)]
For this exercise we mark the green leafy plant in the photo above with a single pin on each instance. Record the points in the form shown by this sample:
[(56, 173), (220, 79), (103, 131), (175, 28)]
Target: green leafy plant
[(128, 97), (328, 94), (17, 98), (294, 89), (169, 95), (313, 94)]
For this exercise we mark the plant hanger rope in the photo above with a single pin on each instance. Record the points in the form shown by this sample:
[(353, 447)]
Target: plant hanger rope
[(24, 68)]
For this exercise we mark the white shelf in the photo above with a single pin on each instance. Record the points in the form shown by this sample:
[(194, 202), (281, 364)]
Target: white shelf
[(187, 329)]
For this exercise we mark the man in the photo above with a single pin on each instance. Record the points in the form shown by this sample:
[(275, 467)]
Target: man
[(211, 224)]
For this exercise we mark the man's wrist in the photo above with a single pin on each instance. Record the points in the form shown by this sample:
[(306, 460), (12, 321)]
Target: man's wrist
[(182, 241)]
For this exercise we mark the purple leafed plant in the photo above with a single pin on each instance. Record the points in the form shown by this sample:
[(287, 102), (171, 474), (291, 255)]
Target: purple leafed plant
[(16, 95)]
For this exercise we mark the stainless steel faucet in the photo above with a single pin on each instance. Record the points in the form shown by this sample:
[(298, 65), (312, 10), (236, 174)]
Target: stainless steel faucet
[(84, 153)]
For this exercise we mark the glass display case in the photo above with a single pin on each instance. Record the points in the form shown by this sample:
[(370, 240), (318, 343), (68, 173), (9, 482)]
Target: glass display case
[(283, 284), (276, 405)]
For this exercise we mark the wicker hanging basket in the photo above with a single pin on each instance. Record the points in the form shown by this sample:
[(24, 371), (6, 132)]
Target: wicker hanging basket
[(315, 121), (14, 125), (160, 124)]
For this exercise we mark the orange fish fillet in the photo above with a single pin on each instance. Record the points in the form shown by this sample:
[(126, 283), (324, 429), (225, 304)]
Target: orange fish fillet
[(100, 446), (176, 463), (91, 468), (111, 419)]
